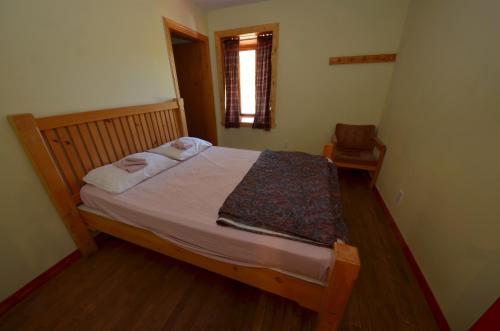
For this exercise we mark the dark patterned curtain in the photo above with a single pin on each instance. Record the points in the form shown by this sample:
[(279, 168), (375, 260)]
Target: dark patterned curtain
[(232, 82), (263, 65)]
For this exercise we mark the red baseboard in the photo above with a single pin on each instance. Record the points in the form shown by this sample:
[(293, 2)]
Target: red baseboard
[(38, 282), (424, 286), (490, 319)]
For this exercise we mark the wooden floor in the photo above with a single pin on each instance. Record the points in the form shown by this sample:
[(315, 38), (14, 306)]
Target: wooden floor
[(125, 287)]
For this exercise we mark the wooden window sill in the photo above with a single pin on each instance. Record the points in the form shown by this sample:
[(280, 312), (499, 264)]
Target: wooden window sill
[(248, 125)]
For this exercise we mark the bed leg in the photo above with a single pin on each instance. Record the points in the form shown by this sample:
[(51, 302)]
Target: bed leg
[(341, 279), (81, 234)]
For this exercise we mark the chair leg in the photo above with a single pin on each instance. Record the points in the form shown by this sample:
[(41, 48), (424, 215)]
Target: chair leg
[(374, 177)]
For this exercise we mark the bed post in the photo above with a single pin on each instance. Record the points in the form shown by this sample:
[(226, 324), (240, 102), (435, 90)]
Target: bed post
[(28, 133), (341, 278)]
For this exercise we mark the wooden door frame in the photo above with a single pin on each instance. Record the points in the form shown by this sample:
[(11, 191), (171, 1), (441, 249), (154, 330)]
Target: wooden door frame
[(181, 30)]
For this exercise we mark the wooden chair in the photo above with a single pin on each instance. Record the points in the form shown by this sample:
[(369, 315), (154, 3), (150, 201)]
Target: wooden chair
[(353, 146)]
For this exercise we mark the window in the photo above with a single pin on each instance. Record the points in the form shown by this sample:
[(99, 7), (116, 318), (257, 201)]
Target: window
[(237, 56), (247, 85)]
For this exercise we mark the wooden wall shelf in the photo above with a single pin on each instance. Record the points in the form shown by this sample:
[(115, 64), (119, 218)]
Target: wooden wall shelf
[(356, 59)]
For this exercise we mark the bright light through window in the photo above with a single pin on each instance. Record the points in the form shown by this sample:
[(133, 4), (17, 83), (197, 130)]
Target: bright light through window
[(247, 84), (246, 119)]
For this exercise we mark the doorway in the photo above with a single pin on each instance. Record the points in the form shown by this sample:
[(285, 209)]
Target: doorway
[(190, 65)]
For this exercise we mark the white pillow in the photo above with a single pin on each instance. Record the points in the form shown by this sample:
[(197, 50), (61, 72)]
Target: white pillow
[(115, 180), (199, 145)]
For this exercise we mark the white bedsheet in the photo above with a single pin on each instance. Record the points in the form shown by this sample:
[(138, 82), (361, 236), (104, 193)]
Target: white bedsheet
[(181, 205)]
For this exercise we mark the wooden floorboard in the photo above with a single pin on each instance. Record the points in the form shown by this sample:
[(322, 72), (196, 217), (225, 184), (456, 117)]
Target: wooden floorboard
[(125, 287)]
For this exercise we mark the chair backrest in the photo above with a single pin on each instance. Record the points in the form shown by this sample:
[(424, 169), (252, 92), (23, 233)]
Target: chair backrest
[(355, 136)]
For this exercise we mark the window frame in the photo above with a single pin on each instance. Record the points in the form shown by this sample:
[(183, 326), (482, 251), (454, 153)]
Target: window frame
[(219, 38)]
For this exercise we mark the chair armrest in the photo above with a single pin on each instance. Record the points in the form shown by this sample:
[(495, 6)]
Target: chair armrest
[(380, 145), (328, 151), (381, 148)]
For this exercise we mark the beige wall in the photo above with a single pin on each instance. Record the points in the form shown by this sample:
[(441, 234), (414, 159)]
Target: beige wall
[(60, 56), (442, 128), (313, 96)]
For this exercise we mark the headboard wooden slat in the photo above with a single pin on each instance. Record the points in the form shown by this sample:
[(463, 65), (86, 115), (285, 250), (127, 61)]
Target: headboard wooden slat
[(143, 128), (162, 125), (96, 139), (165, 125), (175, 126), (90, 146), (122, 135), (115, 143), (106, 141), (156, 130), (169, 125), (79, 142), (134, 135), (70, 152), (153, 129), (81, 150), (161, 130), (117, 126), (144, 138), (150, 130)]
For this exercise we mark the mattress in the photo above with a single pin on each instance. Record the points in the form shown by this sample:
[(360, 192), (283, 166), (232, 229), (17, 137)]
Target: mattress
[(181, 205)]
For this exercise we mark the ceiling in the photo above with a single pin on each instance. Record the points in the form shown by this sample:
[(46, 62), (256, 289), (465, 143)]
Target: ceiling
[(214, 4)]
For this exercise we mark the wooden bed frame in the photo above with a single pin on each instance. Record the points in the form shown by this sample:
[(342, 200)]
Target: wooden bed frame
[(64, 148)]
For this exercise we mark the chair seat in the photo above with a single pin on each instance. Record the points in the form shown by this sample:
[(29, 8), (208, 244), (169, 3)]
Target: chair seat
[(360, 156)]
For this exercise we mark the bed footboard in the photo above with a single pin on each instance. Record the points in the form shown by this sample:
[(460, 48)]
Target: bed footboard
[(330, 301)]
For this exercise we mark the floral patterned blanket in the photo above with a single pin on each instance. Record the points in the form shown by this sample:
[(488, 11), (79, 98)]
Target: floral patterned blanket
[(288, 194)]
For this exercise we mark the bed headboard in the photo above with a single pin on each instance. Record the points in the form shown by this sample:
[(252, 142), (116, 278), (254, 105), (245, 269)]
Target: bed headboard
[(64, 148)]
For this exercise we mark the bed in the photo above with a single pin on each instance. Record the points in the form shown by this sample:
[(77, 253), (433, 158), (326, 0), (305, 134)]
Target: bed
[(64, 148)]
